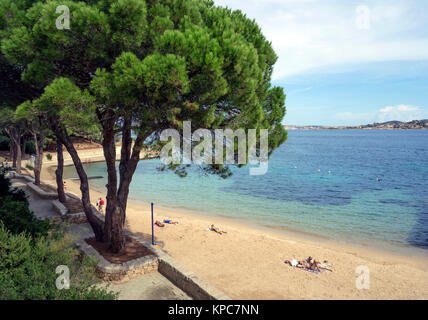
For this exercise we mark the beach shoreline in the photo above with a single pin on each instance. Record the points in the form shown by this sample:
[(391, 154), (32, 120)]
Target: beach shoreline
[(369, 244), (248, 261)]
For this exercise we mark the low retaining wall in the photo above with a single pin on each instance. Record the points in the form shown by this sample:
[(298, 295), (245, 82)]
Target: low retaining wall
[(59, 208), (187, 281), (13, 174), (42, 194), (119, 272), (74, 218)]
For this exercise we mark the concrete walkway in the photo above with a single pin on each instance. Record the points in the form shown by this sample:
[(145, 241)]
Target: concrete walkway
[(42, 208), (151, 286)]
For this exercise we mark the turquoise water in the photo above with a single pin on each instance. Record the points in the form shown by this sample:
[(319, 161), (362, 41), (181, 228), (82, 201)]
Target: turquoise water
[(300, 193)]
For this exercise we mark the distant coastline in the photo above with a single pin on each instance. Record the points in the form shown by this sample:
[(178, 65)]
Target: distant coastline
[(390, 125)]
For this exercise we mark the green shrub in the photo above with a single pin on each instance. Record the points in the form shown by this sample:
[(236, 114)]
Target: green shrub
[(4, 142), (5, 184), (29, 167), (17, 217), (7, 190), (49, 156), (30, 148), (28, 269), (31, 250), (15, 212)]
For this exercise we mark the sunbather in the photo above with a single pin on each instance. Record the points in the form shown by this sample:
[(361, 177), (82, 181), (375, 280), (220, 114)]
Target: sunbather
[(213, 228), (324, 266), (159, 224), (309, 264), (170, 221)]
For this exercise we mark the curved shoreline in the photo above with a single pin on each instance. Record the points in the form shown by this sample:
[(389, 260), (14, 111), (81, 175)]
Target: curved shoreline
[(247, 262), (380, 246)]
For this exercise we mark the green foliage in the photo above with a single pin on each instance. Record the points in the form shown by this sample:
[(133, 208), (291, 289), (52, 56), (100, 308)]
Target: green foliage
[(12, 13), (29, 147), (7, 117), (4, 142), (31, 250), (6, 187), (63, 101), (158, 62), (49, 156), (15, 213), (29, 167), (17, 217), (227, 59), (27, 269)]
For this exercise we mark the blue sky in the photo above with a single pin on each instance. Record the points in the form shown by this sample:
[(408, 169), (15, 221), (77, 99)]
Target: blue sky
[(347, 62)]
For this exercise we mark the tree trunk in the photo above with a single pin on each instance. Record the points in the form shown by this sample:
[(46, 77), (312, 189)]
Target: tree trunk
[(124, 162), (16, 137), (59, 172), (38, 144), (96, 224), (12, 156), (113, 227), (18, 154), (15, 148), (128, 170), (14, 151), (24, 142)]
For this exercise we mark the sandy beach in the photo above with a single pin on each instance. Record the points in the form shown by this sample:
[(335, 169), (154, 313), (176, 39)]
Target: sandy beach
[(248, 262)]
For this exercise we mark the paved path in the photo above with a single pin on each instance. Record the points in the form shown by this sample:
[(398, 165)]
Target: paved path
[(151, 286), (42, 208)]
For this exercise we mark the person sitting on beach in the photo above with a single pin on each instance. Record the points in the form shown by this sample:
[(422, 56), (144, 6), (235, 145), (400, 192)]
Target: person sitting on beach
[(65, 185), (213, 228), (170, 221), (313, 264), (304, 264), (159, 224)]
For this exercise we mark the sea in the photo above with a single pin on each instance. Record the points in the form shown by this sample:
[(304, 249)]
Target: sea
[(361, 186)]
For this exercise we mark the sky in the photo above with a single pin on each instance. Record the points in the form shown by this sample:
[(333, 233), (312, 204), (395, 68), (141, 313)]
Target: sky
[(346, 62)]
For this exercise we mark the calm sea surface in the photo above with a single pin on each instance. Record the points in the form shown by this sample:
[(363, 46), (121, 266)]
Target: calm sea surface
[(320, 182)]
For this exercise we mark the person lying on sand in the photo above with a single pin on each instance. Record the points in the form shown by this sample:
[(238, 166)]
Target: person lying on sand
[(324, 266), (213, 228), (309, 264), (170, 221), (159, 224)]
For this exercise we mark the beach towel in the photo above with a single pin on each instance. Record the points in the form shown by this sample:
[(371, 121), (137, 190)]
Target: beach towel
[(313, 271)]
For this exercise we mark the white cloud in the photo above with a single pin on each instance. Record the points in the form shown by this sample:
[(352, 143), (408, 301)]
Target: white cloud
[(312, 34), (399, 112)]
